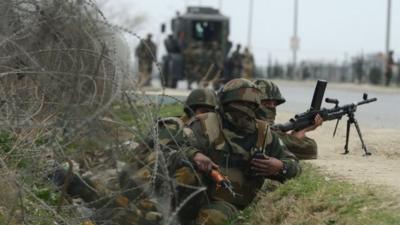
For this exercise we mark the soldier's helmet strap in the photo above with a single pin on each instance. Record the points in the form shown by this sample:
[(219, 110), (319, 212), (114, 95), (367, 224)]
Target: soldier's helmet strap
[(261, 135)]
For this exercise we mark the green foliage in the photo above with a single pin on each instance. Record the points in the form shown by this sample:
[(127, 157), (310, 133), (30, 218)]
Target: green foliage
[(47, 194), (171, 110), (315, 199), (126, 114), (5, 141)]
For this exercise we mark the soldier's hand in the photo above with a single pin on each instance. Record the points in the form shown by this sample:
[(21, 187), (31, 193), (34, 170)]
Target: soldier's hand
[(302, 133), (204, 163), (267, 166), (317, 122)]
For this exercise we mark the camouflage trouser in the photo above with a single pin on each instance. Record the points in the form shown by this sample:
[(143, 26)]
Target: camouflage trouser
[(121, 211), (135, 206), (200, 210), (145, 69), (305, 148), (136, 180), (197, 210)]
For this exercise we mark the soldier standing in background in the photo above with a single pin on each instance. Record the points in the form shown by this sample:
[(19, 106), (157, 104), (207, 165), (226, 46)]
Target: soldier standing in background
[(248, 64), (358, 69), (236, 62), (297, 142), (398, 71), (193, 58), (146, 53), (216, 57), (389, 68)]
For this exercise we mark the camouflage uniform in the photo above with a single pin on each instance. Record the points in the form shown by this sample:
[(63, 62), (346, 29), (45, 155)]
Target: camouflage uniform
[(193, 55), (145, 52), (236, 63), (142, 197), (214, 66), (141, 182), (248, 64), (305, 148), (139, 175), (231, 143)]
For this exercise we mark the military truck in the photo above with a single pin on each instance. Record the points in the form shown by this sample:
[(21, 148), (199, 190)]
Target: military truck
[(197, 46)]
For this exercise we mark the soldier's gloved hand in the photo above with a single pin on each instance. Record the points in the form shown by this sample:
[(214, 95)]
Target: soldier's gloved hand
[(267, 166), (204, 163)]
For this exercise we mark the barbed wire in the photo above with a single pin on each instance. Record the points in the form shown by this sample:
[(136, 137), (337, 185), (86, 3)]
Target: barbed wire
[(63, 105)]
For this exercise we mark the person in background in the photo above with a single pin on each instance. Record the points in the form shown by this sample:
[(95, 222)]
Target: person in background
[(146, 53), (389, 68), (248, 64)]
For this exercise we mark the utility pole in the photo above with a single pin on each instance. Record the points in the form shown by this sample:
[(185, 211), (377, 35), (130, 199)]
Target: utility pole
[(250, 25), (295, 41), (388, 22)]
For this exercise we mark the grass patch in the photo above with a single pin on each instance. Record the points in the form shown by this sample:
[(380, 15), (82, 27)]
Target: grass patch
[(315, 199), (6, 141), (128, 115), (171, 110)]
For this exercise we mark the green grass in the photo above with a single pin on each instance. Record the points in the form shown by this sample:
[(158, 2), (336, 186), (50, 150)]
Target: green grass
[(6, 141), (171, 110), (314, 199), (128, 115)]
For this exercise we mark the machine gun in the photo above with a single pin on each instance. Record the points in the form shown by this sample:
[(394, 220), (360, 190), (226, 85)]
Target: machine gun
[(303, 120), (306, 119)]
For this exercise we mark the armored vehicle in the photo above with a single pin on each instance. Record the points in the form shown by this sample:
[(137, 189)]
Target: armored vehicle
[(196, 48)]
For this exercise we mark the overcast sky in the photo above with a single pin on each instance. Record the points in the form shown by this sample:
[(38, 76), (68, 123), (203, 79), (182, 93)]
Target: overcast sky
[(328, 29)]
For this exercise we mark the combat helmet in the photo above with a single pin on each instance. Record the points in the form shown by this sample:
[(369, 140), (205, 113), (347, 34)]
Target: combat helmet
[(270, 91), (200, 97), (240, 89)]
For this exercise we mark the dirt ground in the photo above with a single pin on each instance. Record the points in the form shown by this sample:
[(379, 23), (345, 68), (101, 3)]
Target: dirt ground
[(382, 168)]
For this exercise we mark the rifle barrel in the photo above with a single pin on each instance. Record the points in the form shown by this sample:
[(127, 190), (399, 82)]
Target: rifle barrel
[(367, 101)]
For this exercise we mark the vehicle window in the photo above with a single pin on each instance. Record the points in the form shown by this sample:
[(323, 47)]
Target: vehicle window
[(206, 31)]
